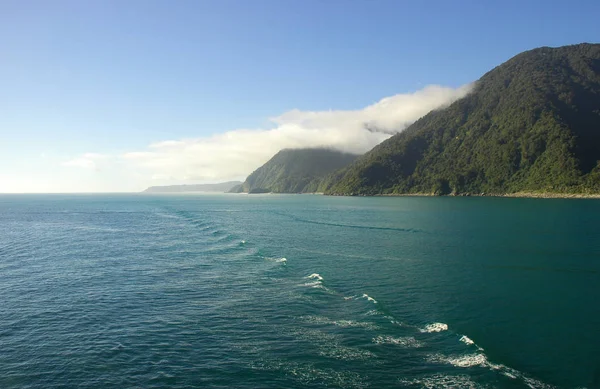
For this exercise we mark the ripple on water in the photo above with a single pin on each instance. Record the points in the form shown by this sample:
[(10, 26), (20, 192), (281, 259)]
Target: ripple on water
[(171, 293)]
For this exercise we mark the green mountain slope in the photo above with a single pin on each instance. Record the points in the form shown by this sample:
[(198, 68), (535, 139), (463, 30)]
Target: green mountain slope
[(531, 124), (295, 171)]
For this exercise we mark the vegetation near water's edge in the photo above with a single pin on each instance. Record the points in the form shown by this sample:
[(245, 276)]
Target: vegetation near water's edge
[(295, 171), (532, 195), (529, 128), (531, 125)]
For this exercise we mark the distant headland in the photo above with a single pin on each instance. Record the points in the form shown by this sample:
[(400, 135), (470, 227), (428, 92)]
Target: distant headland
[(219, 187)]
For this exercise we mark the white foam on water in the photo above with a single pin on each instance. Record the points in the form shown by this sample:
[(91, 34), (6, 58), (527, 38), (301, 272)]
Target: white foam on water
[(535, 384), (243, 242), (312, 336), (314, 284), (339, 323), (317, 283), (329, 345), (399, 323), (408, 342), (369, 298), (307, 373), (466, 340), (441, 381), (393, 320), (352, 323), (515, 374), (276, 260), (469, 342), (435, 327), (349, 297), (479, 359), (346, 353), (316, 276), (468, 360)]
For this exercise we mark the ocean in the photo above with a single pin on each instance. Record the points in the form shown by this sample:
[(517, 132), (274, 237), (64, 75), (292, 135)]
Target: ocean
[(298, 291)]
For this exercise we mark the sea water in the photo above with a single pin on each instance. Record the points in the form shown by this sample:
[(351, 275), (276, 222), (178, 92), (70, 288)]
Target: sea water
[(298, 291)]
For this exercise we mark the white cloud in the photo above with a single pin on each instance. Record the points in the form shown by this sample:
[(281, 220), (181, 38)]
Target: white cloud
[(86, 161), (236, 153)]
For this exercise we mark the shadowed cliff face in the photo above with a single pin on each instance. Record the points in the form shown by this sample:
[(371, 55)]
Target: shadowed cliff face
[(531, 124)]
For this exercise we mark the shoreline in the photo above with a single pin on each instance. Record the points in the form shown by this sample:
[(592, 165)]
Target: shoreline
[(526, 195), (534, 195)]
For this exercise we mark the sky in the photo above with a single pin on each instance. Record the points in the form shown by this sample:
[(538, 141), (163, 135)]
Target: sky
[(112, 96)]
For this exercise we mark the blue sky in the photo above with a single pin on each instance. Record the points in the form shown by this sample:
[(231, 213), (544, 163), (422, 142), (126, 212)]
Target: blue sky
[(118, 95)]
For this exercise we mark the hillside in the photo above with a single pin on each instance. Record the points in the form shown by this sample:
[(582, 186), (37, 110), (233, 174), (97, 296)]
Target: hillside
[(531, 124), (221, 187), (295, 171)]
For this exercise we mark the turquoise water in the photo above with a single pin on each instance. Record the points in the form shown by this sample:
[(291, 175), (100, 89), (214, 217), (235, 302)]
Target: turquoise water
[(186, 291)]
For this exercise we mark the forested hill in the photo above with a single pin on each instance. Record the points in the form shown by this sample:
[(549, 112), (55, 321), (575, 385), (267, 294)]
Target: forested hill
[(531, 124), (295, 171)]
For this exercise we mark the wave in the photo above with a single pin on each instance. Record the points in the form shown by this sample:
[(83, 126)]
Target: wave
[(478, 359), (481, 360), (468, 360), (434, 327), (408, 341), (317, 283), (339, 323), (369, 298), (309, 374), (119, 346), (282, 260), (441, 381), (346, 353), (535, 384), (394, 321), (466, 340), (329, 345)]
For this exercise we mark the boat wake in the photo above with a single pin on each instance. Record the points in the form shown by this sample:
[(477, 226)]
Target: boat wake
[(434, 327), (421, 339)]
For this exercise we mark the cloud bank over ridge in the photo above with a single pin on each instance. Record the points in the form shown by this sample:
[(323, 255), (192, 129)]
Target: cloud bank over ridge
[(236, 153)]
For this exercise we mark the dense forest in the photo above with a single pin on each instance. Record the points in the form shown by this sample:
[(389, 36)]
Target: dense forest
[(295, 171), (531, 124)]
